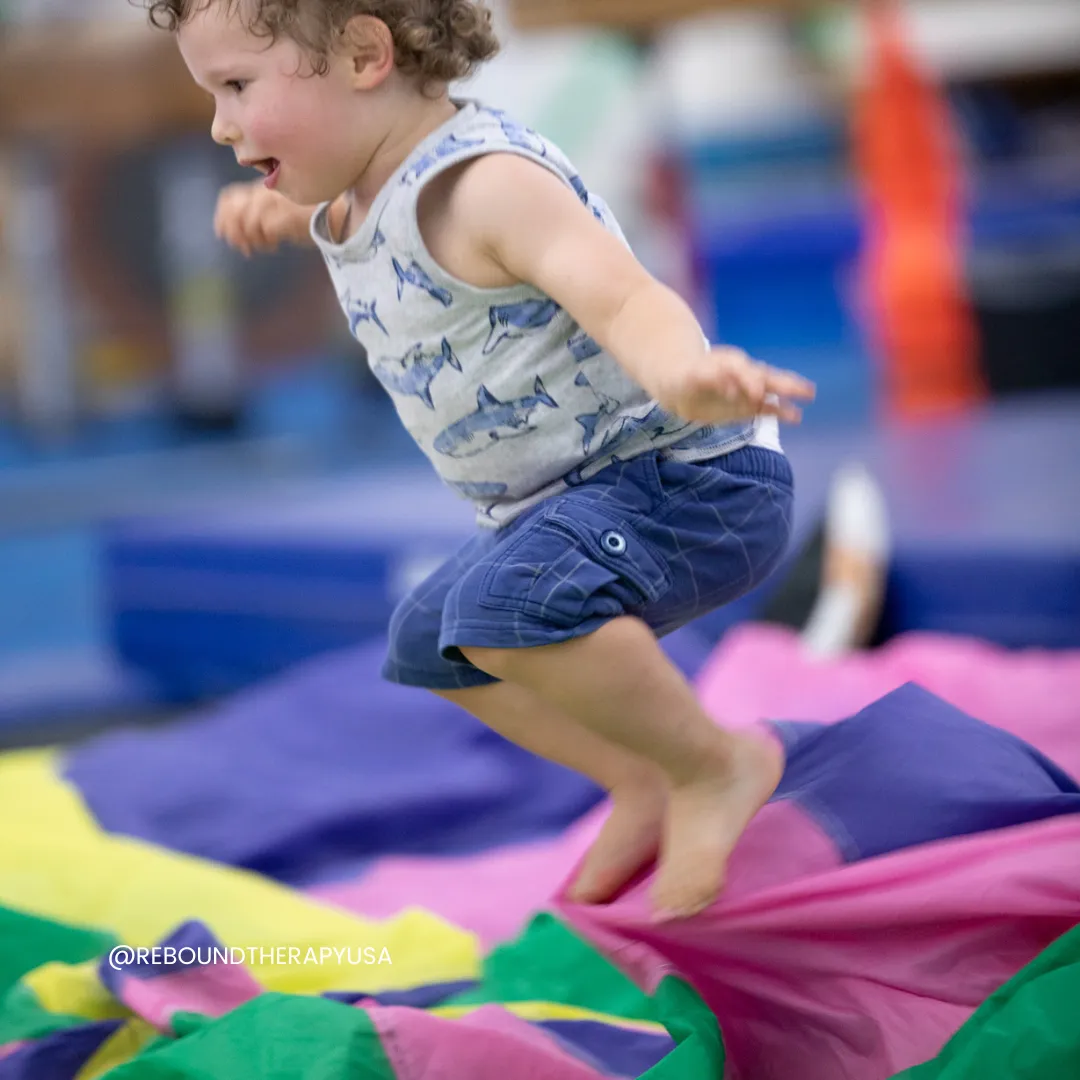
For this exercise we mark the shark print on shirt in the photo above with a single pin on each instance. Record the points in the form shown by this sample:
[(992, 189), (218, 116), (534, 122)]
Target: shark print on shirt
[(591, 422), (582, 347), (508, 397), (417, 276), (524, 138), (478, 489), (494, 421), (360, 312), (627, 426), (510, 321), (447, 148), (484, 494), (414, 373)]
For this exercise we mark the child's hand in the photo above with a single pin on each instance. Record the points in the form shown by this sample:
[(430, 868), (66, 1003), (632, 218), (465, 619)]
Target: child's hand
[(251, 219), (725, 387)]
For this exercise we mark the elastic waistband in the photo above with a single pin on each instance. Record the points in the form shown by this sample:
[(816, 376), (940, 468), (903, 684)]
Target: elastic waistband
[(757, 461)]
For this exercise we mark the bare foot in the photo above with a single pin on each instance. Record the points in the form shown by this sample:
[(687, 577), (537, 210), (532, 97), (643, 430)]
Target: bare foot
[(705, 820), (628, 840)]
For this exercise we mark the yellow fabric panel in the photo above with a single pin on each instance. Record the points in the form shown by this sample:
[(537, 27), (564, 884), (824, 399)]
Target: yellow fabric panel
[(123, 1045), (75, 990), (549, 1010), (58, 864)]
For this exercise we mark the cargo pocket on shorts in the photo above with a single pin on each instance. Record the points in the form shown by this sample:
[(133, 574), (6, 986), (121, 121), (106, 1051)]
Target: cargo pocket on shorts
[(574, 564)]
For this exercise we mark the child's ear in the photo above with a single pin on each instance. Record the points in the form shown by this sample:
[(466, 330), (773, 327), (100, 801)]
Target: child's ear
[(369, 45)]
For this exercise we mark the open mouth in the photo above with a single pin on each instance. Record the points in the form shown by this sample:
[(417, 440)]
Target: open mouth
[(270, 168)]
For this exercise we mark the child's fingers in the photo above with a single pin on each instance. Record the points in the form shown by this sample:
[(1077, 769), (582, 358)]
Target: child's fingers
[(785, 411), (251, 224), (789, 384)]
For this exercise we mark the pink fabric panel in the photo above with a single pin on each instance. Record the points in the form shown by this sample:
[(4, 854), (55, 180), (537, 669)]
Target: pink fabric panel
[(761, 672), (213, 991), (857, 973), (489, 1044), (781, 845), (492, 894)]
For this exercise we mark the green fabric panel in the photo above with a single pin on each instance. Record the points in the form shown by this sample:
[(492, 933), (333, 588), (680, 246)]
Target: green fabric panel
[(700, 1051), (27, 942), (273, 1037), (22, 1017), (1028, 1030), (549, 962)]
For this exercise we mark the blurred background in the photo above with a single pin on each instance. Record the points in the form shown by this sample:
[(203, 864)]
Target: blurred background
[(201, 486)]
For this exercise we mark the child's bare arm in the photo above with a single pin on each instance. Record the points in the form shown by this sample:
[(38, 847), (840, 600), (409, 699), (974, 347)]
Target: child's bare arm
[(530, 223), (252, 219)]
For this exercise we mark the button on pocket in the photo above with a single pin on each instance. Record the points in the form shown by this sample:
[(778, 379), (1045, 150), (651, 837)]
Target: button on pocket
[(613, 543), (575, 563)]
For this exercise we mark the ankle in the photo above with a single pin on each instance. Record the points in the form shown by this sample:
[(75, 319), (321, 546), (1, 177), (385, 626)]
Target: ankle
[(638, 781), (717, 759)]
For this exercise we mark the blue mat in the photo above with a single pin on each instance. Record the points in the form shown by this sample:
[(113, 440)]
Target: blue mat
[(985, 518), (66, 688), (210, 602)]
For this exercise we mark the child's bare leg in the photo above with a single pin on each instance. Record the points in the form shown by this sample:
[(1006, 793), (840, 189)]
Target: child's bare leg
[(619, 684), (632, 834)]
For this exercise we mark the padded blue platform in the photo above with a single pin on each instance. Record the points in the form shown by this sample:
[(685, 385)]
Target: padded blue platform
[(986, 519), (59, 692), (985, 510), (212, 601)]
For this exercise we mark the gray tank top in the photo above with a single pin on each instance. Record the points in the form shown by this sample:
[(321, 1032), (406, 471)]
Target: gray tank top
[(500, 388)]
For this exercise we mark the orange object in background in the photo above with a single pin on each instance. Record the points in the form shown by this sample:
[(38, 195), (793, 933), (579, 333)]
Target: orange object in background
[(913, 263)]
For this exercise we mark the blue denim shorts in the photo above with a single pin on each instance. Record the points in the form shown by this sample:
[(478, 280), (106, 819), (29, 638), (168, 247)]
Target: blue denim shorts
[(662, 540)]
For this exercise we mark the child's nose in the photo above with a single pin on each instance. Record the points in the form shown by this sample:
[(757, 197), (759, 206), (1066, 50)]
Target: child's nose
[(223, 132)]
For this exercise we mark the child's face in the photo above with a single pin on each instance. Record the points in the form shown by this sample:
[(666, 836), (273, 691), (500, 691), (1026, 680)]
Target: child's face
[(303, 131)]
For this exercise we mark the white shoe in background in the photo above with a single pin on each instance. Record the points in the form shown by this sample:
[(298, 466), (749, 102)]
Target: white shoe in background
[(855, 567)]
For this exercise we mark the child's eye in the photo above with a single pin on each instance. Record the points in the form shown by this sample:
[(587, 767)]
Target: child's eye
[(236, 84)]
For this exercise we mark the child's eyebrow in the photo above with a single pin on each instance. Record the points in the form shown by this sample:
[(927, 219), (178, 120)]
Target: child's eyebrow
[(221, 75)]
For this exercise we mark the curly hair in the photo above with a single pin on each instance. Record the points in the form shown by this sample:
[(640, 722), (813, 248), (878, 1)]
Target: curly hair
[(437, 40)]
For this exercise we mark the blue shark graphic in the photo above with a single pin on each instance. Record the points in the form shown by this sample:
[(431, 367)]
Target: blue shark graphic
[(590, 422), (418, 276), (479, 490), (414, 373), (577, 477), (579, 186), (428, 161), (360, 312), (447, 148), (349, 257), (583, 194), (517, 320), (583, 348), (517, 134), (493, 422), (622, 428), (629, 426)]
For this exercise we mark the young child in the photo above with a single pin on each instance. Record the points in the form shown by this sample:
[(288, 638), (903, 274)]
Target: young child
[(626, 476)]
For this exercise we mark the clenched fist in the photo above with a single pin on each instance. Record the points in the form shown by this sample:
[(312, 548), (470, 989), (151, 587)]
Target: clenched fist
[(253, 219)]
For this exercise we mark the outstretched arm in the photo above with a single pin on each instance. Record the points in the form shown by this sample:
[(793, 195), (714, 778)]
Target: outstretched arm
[(530, 224), (252, 219)]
